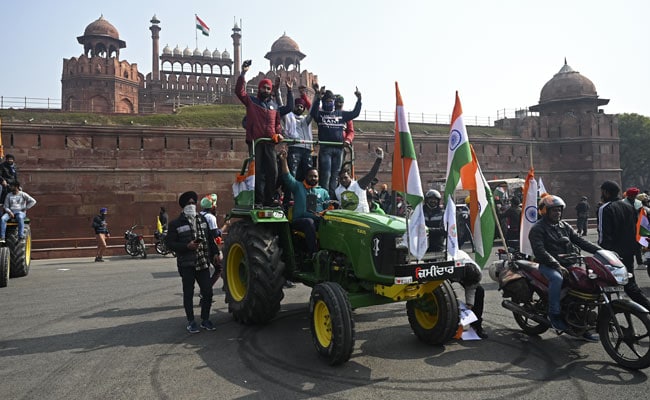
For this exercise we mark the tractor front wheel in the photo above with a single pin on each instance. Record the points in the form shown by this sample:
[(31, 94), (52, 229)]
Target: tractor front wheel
[(331, 322), (434, 318)]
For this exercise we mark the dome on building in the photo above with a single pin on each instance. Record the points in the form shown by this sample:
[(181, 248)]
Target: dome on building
[(207, 53), (567, 84), (225, 55), (285, 43), (167, 50), (177, 51), (187, 52), (101, 27), (216, 54), (197, 52)]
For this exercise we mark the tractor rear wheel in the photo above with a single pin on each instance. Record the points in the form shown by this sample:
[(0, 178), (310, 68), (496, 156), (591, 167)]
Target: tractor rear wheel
[(253, 273), (20, 251), (4, 266), (434, 318)]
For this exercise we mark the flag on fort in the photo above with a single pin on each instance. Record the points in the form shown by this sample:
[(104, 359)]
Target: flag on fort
[(406, 179), (202, 26), (643, 228), (528, 211), (481, 209), (464, 172)]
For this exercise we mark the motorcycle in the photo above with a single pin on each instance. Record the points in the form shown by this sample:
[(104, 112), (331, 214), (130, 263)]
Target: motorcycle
[(161, 245), (592, 299), (134, 245)]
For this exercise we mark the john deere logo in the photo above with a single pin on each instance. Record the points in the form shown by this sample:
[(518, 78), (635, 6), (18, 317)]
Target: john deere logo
[(375, 246)]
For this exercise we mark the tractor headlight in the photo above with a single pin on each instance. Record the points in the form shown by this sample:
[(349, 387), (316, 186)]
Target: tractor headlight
[(400, 243)]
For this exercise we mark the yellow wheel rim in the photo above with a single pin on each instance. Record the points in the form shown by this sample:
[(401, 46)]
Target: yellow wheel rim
[(322, 323), (425, 319), (236, 272)]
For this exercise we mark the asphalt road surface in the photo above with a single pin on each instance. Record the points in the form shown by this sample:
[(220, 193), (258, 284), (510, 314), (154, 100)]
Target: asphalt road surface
[(75, 329)]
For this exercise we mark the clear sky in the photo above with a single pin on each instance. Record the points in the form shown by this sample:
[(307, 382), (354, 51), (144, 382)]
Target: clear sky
[(497, 54)]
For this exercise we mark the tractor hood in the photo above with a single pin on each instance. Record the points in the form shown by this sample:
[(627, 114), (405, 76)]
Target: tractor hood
[(367, 221)]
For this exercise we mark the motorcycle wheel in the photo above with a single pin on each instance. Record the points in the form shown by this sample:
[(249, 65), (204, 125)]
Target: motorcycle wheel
[(629, 347), (130, 248), (529, 326), (161, 248)]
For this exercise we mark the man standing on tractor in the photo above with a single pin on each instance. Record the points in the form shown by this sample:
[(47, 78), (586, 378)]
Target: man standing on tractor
[(16, 205), (351, 193)]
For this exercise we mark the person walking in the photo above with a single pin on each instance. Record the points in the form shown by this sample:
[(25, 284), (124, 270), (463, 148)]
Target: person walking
[(188, 236), (582, 211), (100, 225), (617, 232)]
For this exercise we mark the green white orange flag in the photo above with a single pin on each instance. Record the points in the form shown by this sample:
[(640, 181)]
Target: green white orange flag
[(202, 26), (406, 179), (481, 209), (528, 212), (458, 152), (642, 228)]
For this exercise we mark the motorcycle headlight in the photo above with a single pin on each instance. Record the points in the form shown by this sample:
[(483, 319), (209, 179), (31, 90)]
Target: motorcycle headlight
[(400, 243), (620, 274)]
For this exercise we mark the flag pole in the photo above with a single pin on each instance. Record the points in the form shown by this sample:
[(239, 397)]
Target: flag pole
[(196, 33)]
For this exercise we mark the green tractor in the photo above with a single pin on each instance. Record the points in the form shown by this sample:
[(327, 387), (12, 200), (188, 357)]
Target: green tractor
[(362, 261), (15, 254)]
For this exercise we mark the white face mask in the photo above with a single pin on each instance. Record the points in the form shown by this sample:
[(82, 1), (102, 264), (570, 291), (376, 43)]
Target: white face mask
[(190, 210)]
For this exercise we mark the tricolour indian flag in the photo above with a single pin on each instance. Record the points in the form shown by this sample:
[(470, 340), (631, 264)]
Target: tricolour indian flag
[(406, 179), (642, 228), (528, 212), (481, 209), (202, 26), (463, 171), (458, 153)]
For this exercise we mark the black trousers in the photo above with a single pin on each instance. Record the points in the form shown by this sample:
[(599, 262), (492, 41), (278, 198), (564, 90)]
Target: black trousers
[(266, 173), (188, 276), (477, 308), (632, 289)]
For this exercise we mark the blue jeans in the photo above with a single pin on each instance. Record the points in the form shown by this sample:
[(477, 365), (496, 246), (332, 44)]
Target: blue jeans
[(329, 164), (20, 217), (555, 280)]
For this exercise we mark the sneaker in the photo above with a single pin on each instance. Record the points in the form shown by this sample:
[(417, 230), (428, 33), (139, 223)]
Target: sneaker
[(590, 337), (2, 240), (192, 327), (207, 325), (288, 284), (99, 259), (22, 239), (558, 323)]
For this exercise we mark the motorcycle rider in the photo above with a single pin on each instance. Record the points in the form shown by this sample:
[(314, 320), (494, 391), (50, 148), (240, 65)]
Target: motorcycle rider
[(433, 218), (550, 237)]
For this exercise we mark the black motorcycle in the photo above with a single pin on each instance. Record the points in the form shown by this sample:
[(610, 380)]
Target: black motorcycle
[(161, 246), (134, 245)]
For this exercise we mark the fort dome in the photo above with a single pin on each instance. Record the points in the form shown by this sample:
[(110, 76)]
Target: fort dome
[(567, 84), (285, 43), (101, 27)]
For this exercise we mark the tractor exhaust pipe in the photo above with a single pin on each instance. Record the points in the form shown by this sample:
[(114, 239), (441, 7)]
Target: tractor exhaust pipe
[(514, 307)]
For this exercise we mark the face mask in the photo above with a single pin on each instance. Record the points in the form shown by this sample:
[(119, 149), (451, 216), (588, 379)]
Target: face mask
[(328, 106), (190, 210)]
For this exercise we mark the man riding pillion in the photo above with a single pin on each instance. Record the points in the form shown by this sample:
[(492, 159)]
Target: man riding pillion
[(550, 237)]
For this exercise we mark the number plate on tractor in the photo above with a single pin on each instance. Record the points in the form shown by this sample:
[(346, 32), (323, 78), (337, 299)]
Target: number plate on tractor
[(429, 271)]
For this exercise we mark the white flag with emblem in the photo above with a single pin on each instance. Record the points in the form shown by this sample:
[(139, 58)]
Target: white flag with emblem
[(452, 232)]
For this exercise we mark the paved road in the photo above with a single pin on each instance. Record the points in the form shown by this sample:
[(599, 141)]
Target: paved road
[(75, 329)]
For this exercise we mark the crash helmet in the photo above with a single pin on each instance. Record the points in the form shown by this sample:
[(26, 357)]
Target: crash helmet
[(550, 201), (432, 193)]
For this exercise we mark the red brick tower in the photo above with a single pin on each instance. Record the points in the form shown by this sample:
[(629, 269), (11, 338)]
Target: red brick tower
[(98, 81)]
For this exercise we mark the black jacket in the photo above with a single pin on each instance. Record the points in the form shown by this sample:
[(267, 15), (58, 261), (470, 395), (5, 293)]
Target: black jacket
[(617, 227), (180, 233), (8, 172), (548, 241)]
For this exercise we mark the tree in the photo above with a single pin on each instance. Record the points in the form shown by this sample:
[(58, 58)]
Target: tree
[(634, 131)]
